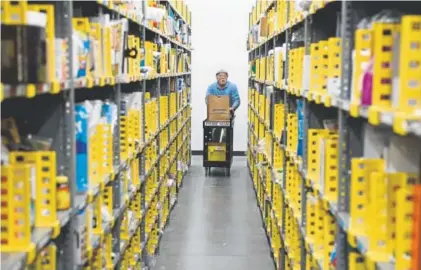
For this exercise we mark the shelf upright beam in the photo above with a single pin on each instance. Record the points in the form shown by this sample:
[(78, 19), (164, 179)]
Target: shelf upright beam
[(116, 185), (274, 143), (306, 117), (66, 243), (284, 137), (347, 41), (142, 156), (342, 247), (272, 104)]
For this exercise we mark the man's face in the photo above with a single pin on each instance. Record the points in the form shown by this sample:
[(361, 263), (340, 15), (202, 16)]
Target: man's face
[(222, 78)]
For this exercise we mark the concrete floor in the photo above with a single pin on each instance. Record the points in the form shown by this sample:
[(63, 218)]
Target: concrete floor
[(216, 224)]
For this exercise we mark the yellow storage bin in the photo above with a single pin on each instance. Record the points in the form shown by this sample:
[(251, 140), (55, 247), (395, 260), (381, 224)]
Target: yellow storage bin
[(217, 152)]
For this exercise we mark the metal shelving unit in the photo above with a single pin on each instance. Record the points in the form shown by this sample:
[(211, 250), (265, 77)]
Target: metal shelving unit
[(157, 163), (313, 182)]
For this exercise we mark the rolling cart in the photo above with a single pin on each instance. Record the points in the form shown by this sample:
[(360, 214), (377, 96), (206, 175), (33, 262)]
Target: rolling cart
[(218, 145)]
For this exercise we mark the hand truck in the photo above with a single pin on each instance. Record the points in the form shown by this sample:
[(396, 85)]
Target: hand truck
[(218, 145)]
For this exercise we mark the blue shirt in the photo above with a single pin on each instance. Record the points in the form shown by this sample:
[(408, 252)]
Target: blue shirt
[(229, 89)]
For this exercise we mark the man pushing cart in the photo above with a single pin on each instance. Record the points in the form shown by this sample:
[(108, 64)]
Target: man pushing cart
[(223, 99)]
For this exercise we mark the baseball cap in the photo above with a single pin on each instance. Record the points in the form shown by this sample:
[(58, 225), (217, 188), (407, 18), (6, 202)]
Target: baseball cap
[(221, 71)]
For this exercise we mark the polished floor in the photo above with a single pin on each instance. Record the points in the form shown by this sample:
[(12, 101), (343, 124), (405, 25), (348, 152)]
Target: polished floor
[(216, 224)]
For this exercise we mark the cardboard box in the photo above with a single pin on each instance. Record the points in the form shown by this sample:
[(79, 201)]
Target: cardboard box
[(219, 108), (264, 27)]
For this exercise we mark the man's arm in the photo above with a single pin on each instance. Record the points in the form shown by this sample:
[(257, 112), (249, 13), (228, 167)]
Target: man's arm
[(235, 98), (208, 92)]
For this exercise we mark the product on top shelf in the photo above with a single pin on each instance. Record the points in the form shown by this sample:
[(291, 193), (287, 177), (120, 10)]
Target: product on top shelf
[(23, 50)]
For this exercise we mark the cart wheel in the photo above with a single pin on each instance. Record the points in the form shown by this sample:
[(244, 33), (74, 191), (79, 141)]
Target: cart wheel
[(206, 171), (209, 170)]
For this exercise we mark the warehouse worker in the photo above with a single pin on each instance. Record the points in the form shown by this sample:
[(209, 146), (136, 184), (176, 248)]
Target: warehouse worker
[(223, 87)]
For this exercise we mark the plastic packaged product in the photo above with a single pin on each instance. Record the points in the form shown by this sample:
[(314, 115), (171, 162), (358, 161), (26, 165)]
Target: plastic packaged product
[(154, 14), (81, 118), (180, 84), (87, 117), (81, 47), (106, 112), (61, 47), (300, 112), (367, 85), (330, 124), (82, 233), (302, 5), (333, 258)]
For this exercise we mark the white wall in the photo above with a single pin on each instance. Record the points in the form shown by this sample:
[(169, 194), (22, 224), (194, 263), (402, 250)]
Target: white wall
[(219, 40)]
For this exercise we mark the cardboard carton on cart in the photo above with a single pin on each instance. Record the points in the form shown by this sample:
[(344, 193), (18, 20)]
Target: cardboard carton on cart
[(218, 108), (218, 134)]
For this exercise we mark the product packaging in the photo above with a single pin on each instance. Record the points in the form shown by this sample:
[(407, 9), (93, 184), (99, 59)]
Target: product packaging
[(87, 117), (218, 108)]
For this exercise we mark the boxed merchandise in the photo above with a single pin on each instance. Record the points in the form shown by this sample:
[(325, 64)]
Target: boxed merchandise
[(119, 29), (61, 61), (218, 108)]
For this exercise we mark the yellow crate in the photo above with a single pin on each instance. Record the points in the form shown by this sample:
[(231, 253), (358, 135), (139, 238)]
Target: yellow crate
[(357, 261), (163, 109), (14, 12), (96, 261), (409, 92), (279, 119), (267, 111), (124, 137), (107, 198), (361, 169), (292, 132), (217, 151), (319, 229), (329, 181), (268, 145), (311, 218), (44, 165), (382, 67), (314, 158), (47, 258), (316, 62), (404, 223), (16, 226), (335, 64), (311, 262), (270, 67), (329, 228), (268, 182), (106, 53), (324, 67)]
